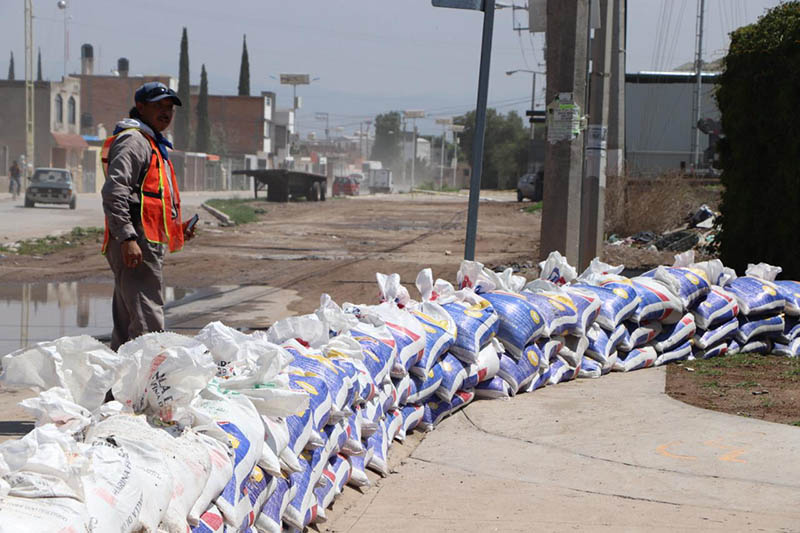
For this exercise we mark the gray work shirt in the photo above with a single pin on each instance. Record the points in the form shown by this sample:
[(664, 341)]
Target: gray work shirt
[(128, 160)]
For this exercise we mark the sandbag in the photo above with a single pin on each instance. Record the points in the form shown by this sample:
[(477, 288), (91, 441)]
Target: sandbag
[(424, 388), (750, 329), (788, 350), (573, 349), (561, 371), (616, 304), (518, 373), (590, 369), (658, 302), (454, 373), (486, 365), (269, 521), (639, 334), (674, 353), (688, 284), (756, 296), (718, 350), (717, 307), (705, 339), (790, 292), (675, 334), (494, 389), (636, 359)]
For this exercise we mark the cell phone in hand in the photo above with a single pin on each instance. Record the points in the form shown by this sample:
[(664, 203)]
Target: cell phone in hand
[(192, 223)]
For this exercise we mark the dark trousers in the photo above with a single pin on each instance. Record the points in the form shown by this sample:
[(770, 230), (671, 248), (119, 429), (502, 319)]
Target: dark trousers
[(138, 301)]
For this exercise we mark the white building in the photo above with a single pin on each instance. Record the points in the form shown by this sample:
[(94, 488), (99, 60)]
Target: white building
[(659, 120)]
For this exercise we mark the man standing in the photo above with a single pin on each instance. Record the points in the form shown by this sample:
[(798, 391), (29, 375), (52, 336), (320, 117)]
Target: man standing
[(13, 183), (142, 210)]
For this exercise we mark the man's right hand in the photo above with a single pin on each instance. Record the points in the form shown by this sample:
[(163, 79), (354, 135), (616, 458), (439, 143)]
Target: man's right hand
[(131, 254)]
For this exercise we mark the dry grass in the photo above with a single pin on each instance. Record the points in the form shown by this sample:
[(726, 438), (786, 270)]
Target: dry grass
[(652, 204)]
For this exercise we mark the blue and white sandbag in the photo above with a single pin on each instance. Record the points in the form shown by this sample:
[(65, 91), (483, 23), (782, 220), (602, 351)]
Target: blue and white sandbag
[(674, 353), (358, 474), (616, 304), (688, 284), (639, 335), (636, 359), (755, 292), (758, 346), (394, 423), (412, 414), (494, 389), (270, 519), (590, 369), (518, 373), (791, 349), (379, 349), (573, 350), (561, 371), (549, 348), (440, 334), (435, 410), (424, 388), (753, 328), (723, 332), (475, 318), (587, 305), (556, 269), (790, 292), (485, 367), (454, 372), (717, 350), (379, 444), (602, 345), (717, 307), (658, 302), (559, 312), (675, 334), (791, 330)]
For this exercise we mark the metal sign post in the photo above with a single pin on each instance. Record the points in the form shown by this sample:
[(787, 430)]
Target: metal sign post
[(488, 7)]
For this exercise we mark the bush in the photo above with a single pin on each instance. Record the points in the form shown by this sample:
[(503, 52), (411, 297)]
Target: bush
[(757, 96)]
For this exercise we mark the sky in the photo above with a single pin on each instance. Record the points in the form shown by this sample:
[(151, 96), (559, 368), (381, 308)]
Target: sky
[(370, 56)]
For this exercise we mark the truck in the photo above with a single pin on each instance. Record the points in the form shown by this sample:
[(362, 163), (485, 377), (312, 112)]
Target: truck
[(282, 184), (377, 178)]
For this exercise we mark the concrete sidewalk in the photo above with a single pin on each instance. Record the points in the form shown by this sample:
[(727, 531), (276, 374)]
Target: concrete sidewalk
[(609, 454)]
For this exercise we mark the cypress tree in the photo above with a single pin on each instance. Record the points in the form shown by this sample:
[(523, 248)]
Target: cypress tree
[(203, 133), (183, 114), (11, 67), (244, 71), (39, 67)]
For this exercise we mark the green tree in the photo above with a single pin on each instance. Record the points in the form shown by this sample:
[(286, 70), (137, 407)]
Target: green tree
[(505, 148), (39, 67), (757, 97), (387, 147), (244, 71), (11, 67), (183, 113), (203, 134)]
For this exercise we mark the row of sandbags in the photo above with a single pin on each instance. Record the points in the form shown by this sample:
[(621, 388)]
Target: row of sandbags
[(234, 432)]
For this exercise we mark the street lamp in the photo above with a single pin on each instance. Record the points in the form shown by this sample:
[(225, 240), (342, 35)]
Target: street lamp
[(294, 80)]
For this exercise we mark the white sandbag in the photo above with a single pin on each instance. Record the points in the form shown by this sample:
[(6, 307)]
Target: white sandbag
[(167, 371), (787, 350), (590, 369), (43, 515), (56, 406), (556, 269), (639, 334), (242, 360), (82, 365), (186, 458)]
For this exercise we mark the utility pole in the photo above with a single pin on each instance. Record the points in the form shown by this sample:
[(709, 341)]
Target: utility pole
[(567, 23), (531, 150), (444, 122), (30, 155), (457, 128), (698, 66), (616, 112), (62, 5), (593, 193), (414, 114)]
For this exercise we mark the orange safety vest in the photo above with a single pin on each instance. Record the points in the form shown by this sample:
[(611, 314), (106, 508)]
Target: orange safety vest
[(155, 200)]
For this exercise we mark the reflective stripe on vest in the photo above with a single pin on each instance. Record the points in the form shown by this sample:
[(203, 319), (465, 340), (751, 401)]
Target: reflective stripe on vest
[(154, 199)]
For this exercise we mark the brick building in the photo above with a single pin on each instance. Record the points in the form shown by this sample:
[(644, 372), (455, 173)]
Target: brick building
[(57, 142)]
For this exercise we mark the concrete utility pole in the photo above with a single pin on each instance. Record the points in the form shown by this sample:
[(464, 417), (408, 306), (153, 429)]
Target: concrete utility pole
[(616, 112), (445, 123), (30, 154), (698, 96), (567, 23), (593, 194)]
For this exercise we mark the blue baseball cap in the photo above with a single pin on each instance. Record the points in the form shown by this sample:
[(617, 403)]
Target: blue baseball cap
[(154, 91)]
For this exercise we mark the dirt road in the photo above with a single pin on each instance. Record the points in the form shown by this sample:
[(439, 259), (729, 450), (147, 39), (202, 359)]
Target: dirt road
[(310, 248)]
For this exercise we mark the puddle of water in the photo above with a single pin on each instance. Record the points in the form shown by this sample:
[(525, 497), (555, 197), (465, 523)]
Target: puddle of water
[(36, 312)]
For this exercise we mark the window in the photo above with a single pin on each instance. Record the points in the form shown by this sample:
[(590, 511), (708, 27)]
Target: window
[(71, 110), (59, 109)]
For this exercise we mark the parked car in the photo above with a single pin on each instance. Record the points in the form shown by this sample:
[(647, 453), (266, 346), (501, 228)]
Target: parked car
[(51, 186), (530, 186), (346, 186)]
